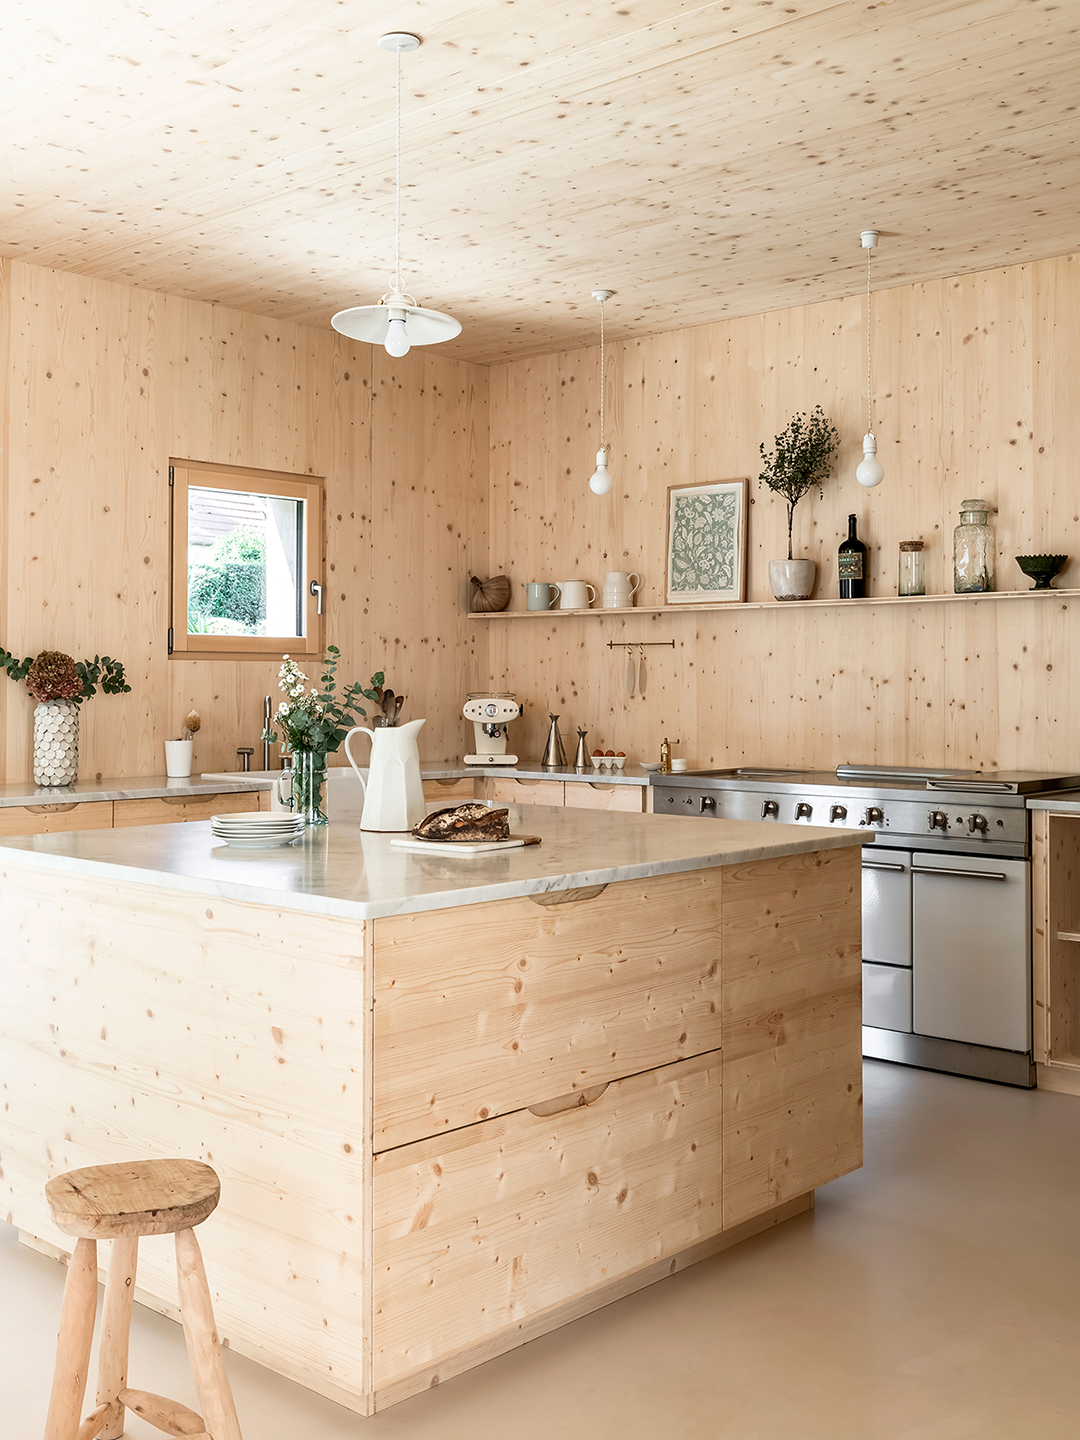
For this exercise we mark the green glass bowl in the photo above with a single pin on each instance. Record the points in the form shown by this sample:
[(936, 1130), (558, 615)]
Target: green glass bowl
[(1041, 568)]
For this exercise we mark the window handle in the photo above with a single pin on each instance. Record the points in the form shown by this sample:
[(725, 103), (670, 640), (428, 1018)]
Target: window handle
[(317, 591)]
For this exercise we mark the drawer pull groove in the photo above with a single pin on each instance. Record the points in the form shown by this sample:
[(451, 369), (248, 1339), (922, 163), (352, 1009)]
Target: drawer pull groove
[(574, 1101), (604, 789), (567, 897), (50, 809)]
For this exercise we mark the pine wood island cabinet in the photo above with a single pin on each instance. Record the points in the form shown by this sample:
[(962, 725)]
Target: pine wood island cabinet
[(452, 1105)]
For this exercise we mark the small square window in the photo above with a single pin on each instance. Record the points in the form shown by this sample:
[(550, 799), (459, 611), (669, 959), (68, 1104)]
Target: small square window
[(246, 546)]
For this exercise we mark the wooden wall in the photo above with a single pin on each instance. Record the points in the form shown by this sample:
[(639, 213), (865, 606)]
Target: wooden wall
[(977, 393), (103, 383)]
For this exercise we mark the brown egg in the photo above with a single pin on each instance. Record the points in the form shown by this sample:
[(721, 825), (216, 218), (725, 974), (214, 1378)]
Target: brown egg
[(621, 755), (598, 752), (610, 753)]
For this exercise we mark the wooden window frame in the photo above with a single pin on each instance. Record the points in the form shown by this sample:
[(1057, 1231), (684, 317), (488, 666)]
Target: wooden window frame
[(185, 473)]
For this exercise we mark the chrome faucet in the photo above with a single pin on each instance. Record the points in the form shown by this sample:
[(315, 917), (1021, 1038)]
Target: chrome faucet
[(266, 728)]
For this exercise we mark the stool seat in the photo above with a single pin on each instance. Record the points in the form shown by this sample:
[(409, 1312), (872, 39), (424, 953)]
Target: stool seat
[(138, 1197)]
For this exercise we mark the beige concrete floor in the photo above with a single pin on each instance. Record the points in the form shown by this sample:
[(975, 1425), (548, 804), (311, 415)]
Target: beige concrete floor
[(934, 1295)]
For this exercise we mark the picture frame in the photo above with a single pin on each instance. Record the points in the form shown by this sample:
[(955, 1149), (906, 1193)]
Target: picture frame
[(706, 542)]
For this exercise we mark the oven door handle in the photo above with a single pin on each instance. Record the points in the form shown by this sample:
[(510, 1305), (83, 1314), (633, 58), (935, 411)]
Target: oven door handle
[(883, 865), (959, 874)]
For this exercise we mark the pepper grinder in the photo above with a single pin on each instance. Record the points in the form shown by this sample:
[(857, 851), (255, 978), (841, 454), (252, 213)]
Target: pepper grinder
[(665, 756), (581, 755)]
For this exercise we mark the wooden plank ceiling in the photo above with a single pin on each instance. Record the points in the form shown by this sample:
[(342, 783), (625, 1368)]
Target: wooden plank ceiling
[(701, 160)]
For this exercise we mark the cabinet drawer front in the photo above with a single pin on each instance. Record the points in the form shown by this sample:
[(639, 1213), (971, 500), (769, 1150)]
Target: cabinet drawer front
[(506, 790), (590, 795), (477, 1231), (450, 792), (483, 1009), (168, 809), (49, 818)]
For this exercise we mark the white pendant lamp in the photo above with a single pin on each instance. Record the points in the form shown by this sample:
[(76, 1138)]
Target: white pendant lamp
[(870, 471), (397, 322), (600, 481)]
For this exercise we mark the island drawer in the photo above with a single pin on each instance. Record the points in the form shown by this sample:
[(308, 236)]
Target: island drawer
[(484, 1009), (594, 795), (479, 1232), (168, 809), (54, 816)]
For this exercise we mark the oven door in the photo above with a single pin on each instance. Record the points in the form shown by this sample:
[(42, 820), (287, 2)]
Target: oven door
[(972, 949)]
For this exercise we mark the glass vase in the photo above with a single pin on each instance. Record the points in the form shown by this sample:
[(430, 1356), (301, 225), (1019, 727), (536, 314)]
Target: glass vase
[(973, 549), (308, 796)]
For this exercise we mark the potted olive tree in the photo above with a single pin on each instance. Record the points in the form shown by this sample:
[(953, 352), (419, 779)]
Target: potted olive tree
[(801, 458)]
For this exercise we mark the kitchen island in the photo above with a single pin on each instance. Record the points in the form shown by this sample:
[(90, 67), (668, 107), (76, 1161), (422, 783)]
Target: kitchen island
[(454, 1102)]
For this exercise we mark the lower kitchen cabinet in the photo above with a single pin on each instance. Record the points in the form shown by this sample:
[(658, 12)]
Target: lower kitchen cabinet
[(50, 818), (168, 809), (594, 795), (508, 790), (479, 1230), (1056, 948), (454, 792), (886, 997)]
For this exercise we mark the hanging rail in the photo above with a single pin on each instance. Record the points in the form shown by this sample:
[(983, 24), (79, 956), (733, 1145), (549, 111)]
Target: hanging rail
[(637, 644)]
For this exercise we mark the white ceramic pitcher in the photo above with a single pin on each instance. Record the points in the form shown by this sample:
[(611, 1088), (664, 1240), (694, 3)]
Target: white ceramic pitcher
[(618, 592), (394, 792)]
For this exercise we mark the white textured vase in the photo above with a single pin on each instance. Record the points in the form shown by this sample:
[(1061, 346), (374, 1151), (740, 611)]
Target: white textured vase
[(56, 742), (792, 579)]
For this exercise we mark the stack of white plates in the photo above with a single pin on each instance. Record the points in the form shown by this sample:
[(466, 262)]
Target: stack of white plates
[(256, 831)]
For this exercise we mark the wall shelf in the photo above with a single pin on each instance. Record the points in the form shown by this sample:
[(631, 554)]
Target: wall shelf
[(991, 595)]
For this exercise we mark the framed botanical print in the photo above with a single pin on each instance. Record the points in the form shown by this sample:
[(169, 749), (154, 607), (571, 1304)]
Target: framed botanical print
[(706, 548)]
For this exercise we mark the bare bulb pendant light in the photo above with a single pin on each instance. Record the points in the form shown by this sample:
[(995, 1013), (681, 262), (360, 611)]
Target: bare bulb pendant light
[(600, 482), (870, 471), (397, 322)]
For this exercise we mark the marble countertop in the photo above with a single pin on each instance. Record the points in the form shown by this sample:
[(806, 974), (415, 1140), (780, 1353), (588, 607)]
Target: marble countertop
[(632, 774), (343, 871), (136, 787), (1066, 802)]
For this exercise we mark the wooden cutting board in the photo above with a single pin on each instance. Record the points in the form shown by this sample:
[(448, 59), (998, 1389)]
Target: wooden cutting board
[(453, 847)]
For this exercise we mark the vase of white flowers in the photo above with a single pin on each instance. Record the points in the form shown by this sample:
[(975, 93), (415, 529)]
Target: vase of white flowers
[(312, 723)]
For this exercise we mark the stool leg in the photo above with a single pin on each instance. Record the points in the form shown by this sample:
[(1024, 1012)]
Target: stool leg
[(115, 1330), (73, 1343), (204, 1352)]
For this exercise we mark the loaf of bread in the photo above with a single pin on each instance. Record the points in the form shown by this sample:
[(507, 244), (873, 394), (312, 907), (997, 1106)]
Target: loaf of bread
[(464, 823)]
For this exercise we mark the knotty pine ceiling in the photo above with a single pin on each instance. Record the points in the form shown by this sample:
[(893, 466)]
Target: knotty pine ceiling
[(703, 161)]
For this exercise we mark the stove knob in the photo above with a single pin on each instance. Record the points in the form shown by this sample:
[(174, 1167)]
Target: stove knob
[(803, 810), (939, 820), (874, 815), (837, 812), (770, 808), (708, 804), (977, 822)]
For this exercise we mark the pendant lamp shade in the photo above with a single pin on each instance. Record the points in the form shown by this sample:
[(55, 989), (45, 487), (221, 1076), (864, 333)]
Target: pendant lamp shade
[(396, 322)]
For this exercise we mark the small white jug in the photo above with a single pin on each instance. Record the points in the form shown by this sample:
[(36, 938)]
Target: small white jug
[(618, 592), (394, 792), (575, 594)]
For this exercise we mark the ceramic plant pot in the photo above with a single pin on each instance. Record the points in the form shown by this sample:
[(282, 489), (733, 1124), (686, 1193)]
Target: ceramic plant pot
[(792, 579), (56, 742)]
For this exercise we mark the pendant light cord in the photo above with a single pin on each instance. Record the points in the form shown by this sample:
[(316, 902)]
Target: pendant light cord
[(396, 282), (869, 380), (602, 375)]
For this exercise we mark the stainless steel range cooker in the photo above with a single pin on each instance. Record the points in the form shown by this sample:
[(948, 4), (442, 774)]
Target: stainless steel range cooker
[(946, 898)]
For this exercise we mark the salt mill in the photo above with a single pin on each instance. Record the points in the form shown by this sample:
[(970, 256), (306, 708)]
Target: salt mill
[(581, 755), (554, 754)]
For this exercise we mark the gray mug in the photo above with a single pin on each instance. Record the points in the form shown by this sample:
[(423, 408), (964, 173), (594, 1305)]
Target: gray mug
[(538, 595)]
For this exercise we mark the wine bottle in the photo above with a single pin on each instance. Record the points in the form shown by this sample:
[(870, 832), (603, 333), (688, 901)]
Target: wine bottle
[(851, 565)]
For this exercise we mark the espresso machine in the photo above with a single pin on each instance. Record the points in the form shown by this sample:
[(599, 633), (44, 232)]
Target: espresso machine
[(491, 712)]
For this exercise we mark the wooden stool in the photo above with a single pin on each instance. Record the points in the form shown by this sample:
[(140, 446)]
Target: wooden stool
[(120, 1203)]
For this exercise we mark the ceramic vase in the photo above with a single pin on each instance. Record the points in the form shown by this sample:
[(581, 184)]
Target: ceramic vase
[(792, 579), (56, 742), (178, 757)]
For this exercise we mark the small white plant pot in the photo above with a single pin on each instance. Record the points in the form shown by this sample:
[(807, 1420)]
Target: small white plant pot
[(178, 754), (792, 579)]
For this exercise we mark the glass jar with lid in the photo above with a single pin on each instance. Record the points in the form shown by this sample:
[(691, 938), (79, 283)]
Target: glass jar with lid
[(912, 573), (973, 549)]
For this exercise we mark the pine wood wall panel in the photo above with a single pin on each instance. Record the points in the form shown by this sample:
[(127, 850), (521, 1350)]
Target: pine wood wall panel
[(104, 384), (976, 393)]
